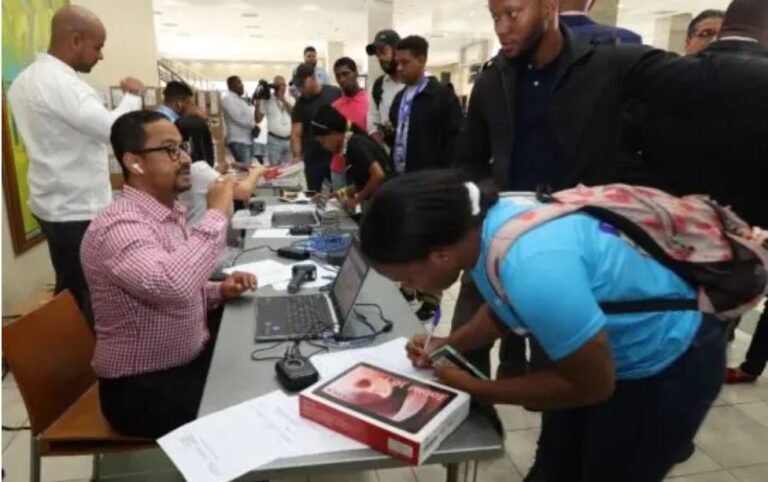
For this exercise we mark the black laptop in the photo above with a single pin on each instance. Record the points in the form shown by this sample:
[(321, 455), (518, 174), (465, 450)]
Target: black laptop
[(312, 316)]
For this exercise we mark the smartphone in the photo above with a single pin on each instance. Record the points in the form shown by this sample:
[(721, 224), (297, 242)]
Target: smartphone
[(449, 353)]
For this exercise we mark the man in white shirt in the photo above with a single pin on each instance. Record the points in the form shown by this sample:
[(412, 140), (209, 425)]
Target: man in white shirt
[(384, 88), (278, 111), (241, 119), (65, 127)]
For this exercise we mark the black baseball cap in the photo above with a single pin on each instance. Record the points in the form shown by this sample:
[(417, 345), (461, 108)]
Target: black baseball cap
[(384, 37)]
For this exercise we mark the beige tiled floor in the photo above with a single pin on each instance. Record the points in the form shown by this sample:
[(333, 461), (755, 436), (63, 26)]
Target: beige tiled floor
[(731, 446)]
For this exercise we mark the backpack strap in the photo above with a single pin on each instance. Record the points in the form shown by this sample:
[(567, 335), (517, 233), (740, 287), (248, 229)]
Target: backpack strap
[(508, 233), (378, 90)]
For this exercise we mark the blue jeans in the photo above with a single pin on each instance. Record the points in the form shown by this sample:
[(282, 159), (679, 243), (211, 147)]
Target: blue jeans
[(338, 180), (278, 151), (241, 152), (636, 435)]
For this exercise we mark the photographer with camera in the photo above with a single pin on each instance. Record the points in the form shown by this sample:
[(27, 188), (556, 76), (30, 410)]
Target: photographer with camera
[(270, 101)]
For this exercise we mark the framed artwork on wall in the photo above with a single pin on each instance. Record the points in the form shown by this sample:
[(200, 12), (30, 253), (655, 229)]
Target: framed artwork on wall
[(26, 32)]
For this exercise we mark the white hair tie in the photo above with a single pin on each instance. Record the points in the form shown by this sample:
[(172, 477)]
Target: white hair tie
[(474, 197)]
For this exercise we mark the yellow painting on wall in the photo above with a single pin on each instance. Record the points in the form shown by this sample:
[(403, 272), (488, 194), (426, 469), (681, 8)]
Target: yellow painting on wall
[(26, 32)]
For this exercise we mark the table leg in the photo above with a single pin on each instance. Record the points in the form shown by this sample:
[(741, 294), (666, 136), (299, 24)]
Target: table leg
[(452, 471)]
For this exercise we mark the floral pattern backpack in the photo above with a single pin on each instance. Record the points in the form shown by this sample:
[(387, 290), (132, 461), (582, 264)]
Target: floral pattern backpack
[(706, 244)]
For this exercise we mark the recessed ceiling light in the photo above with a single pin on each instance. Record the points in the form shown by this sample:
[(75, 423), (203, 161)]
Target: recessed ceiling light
[(250, 14), (183, 34), (170, 25), (310, 8), (253, 26), (157, 12), (256, 36)]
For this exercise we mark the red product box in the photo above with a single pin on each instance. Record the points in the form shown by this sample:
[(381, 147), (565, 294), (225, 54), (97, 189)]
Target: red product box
[(398, 415)]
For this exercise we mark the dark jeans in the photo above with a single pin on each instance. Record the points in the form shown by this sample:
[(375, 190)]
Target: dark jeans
[(64, 241), (241, 152), (316, 171), (636, 435), (153, 404), (757, 356)]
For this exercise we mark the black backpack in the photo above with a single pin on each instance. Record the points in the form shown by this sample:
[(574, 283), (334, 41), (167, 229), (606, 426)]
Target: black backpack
[(378, 90)]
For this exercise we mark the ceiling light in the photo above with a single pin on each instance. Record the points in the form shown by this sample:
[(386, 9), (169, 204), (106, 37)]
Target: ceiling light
[(157, 12), (256, 36), (310, 8), (170, 25), (183, 34), (250, 14), (252, 26)]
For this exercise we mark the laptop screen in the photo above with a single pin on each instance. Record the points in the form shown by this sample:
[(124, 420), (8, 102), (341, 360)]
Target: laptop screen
[(349, 281)]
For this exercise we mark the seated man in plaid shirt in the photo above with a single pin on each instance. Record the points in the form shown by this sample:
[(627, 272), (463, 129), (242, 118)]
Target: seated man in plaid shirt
[(148, 272)]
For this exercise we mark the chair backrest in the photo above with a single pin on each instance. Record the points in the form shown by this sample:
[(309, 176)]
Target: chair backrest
[(49, 352)]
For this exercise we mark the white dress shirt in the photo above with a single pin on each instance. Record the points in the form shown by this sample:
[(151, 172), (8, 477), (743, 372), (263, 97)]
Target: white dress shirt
[(278, 117), (238, 115), (380, 115), (65, 127), (196, 198)]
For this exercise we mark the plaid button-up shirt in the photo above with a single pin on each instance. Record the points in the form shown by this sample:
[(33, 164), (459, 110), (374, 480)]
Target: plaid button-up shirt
[(148, 278)]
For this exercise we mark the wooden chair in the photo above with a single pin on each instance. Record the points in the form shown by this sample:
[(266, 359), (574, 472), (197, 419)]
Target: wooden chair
[(49, 352)]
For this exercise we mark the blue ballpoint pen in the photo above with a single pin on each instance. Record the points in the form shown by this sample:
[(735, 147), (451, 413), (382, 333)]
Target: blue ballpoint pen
[(435, 322)]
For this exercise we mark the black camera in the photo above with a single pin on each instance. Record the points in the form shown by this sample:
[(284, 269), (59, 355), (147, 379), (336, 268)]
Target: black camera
[(263, 90)]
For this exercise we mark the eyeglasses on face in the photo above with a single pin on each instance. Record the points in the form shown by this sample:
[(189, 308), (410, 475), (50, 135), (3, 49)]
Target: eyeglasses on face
[(174, 151)]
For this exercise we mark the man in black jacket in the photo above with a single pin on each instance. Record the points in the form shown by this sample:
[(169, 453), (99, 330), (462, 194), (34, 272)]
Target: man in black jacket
[(703, 122), (426, 117), (703, 129), (547, 110)]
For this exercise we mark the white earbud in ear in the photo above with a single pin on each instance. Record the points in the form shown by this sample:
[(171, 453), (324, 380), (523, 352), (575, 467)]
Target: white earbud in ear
[(138, 168)]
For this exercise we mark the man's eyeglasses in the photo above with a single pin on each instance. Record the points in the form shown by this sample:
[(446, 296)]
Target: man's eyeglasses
[(174, 151)]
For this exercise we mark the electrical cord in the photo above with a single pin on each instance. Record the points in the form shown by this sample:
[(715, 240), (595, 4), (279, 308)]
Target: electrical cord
[(242, 252)]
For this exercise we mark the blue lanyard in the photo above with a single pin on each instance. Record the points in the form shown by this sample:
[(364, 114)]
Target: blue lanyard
[(403, 121)]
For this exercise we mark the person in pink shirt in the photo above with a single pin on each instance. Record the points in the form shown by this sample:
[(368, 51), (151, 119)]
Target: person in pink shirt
[(147, 272), (353, 104)]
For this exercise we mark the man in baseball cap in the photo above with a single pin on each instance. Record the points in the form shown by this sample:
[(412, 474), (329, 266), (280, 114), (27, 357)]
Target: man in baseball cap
[(383, 38), (384, 88)]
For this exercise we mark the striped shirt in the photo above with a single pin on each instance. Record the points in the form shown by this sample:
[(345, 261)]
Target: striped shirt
[(147, 273)]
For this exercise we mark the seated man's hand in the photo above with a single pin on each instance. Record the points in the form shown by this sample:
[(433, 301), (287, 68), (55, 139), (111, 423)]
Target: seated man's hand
[(236, 284)]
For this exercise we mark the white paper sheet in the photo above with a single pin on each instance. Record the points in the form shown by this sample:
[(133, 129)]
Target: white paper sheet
[(267, 272), (227, 444), (390, 355)]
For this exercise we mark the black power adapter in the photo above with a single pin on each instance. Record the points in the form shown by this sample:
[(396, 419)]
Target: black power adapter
[(296, 373), (293, 253)]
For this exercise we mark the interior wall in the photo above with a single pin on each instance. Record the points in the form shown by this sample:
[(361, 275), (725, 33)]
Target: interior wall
[(24, 274), (131, 47)]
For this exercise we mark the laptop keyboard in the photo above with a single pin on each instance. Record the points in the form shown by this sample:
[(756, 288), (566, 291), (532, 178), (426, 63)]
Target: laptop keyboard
[(295, 219), (304, 317)]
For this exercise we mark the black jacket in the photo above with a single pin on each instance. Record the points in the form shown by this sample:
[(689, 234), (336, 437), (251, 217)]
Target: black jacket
[(586, 111), (702, 125), (195, 130), (434, 126)]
